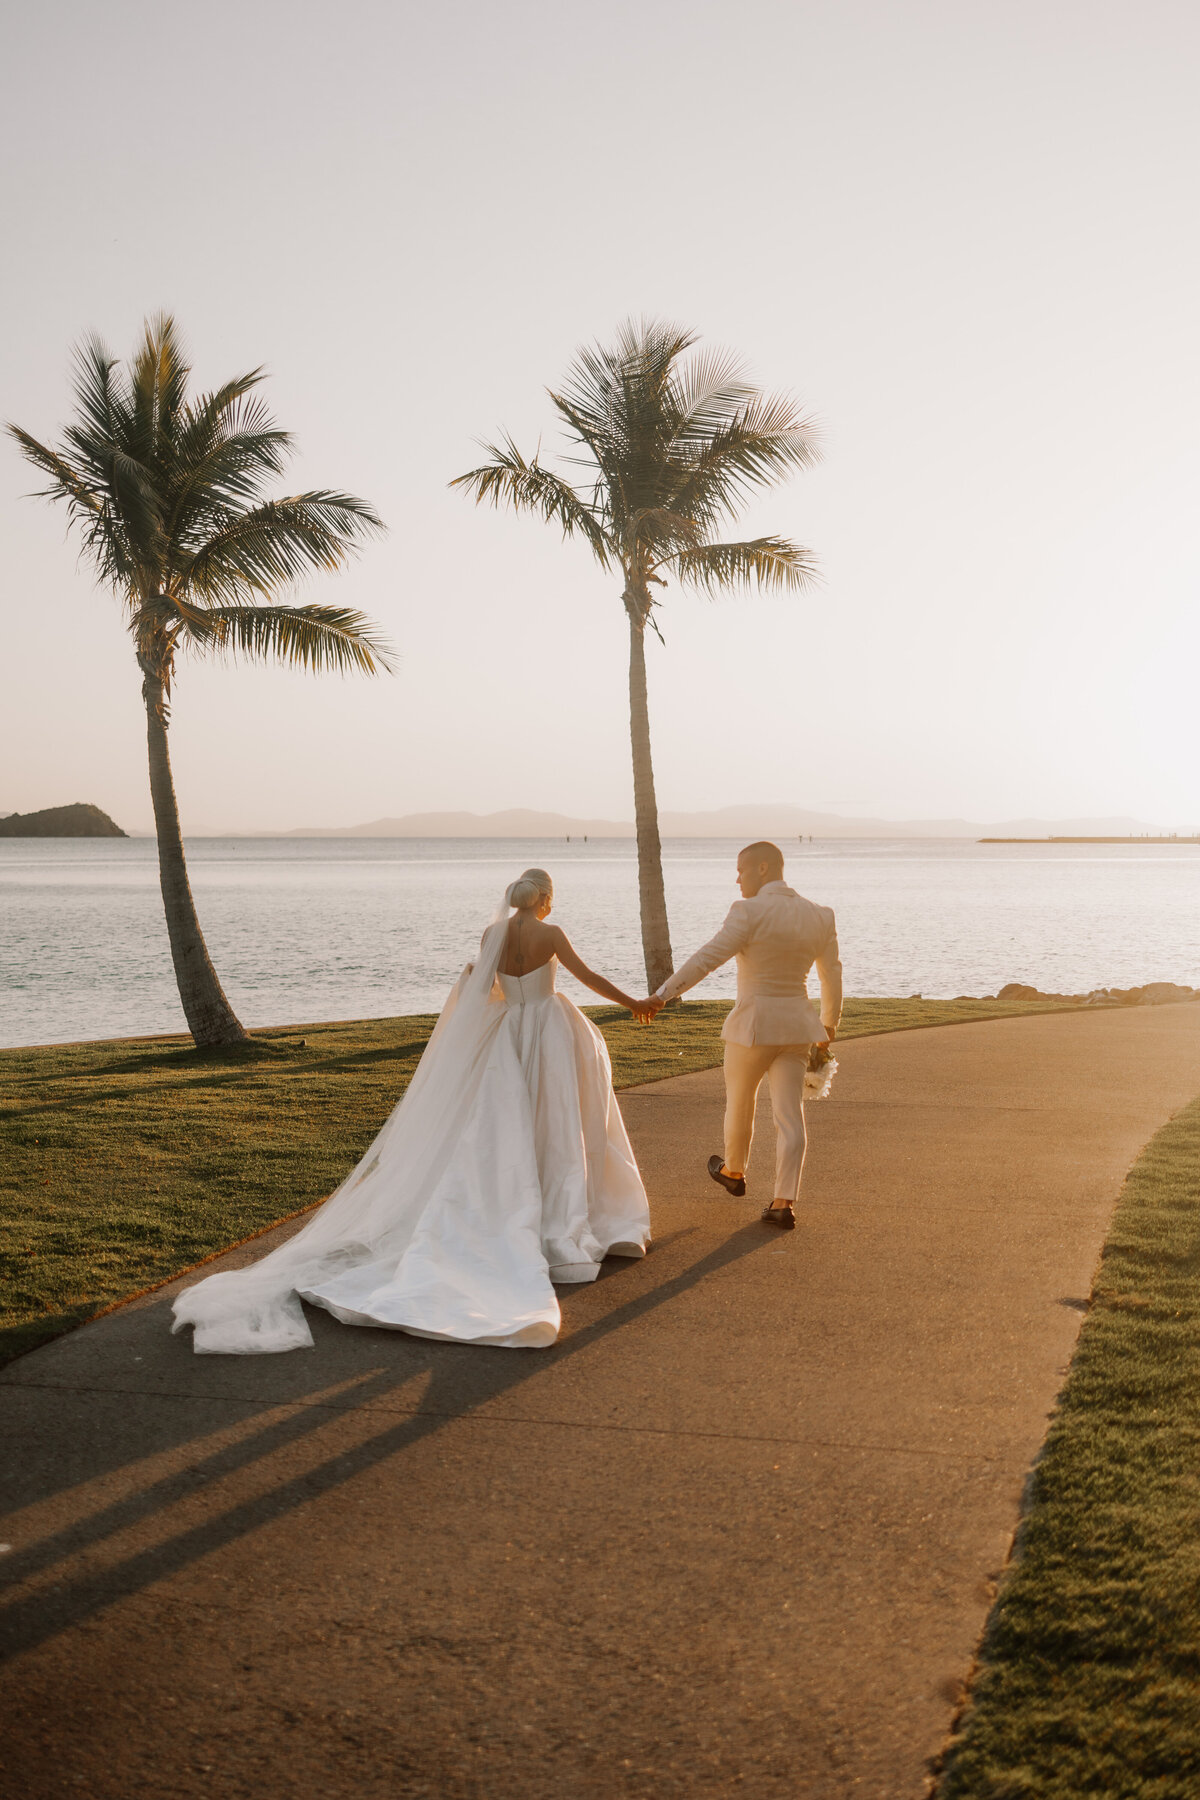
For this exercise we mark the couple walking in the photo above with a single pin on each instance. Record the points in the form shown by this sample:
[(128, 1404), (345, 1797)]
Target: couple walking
[(506, 1168)]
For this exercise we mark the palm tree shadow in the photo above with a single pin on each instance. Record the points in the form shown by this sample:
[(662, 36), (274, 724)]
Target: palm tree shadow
[(208, 1071), (464, 1378)]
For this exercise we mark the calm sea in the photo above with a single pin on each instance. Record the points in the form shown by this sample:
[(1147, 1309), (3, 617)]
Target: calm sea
[(308, 929)]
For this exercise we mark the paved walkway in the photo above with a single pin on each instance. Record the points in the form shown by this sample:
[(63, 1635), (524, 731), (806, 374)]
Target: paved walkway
[(735, 1535)]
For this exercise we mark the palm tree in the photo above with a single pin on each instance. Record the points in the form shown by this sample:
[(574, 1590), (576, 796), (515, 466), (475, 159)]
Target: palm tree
[(167, 495), (672, 446)]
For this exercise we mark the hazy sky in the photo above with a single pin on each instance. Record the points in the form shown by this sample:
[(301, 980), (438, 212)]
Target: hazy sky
[(965, 234)]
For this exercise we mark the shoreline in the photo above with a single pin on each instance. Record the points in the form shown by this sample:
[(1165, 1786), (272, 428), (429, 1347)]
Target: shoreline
[(1027, 998), (258, 1034)]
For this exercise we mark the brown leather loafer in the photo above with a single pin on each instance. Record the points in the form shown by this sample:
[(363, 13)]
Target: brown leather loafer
[(783, 1216), (733, 1184)]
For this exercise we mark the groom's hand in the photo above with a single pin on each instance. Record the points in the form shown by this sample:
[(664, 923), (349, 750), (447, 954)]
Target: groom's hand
[(653, 1006)]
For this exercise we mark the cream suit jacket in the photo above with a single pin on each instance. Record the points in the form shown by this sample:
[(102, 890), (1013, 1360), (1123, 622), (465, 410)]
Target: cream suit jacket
[(776, 937)]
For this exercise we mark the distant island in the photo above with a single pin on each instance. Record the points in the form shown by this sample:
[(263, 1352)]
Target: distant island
[(75, 821), (770, 821)]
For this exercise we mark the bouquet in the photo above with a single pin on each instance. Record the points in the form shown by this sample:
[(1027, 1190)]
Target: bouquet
[(818, 1077)]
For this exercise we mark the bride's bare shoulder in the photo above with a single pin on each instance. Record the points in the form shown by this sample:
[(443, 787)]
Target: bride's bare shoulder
[(564, 949)]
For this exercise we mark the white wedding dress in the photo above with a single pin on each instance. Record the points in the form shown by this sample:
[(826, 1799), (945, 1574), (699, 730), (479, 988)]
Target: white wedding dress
[(505, 1168)]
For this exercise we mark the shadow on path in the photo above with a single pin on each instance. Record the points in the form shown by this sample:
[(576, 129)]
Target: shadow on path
[(463, 1378)]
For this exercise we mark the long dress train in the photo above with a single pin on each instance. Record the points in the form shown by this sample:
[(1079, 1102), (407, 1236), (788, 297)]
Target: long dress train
[(504, 1169)]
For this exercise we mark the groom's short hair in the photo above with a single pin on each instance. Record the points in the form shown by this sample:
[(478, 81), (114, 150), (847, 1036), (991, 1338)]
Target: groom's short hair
[(763, 852)]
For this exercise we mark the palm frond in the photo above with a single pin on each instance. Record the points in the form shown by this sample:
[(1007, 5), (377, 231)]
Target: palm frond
[(644, 413), (66, 482), (708, 391), (101, 392), (770, 562), (228, 448), (508, 480), (133, 488), (232, 415), (662, 530), (275, 543), (647, 350), (611, 396), (201, 417), (317, 638), (763, 441), (158, 378), (89, 507), (116, 457)]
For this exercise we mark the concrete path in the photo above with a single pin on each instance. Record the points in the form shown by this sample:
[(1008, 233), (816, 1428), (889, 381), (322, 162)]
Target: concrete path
[(735, 1535)]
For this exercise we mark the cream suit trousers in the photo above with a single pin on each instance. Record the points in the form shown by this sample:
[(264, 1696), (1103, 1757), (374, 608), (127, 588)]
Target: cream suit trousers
[(784, 1066)]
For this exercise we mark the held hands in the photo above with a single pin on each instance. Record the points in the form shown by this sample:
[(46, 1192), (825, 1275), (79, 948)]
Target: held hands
[(644, 1011)]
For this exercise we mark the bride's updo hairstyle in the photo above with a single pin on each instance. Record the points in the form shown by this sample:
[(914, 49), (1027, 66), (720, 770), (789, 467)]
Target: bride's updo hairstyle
[(529, 888)]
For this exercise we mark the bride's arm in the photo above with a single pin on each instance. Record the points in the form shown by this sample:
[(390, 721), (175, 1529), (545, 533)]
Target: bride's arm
[(589, 977)]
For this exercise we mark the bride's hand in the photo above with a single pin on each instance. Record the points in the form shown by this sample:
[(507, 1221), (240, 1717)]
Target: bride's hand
[(644, 1010)]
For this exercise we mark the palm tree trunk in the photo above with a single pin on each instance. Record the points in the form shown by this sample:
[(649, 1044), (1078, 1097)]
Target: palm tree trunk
[(656, 931), (210, 1018)]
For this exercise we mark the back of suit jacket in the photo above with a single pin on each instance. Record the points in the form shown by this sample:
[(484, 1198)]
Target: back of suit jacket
[(777, 937)]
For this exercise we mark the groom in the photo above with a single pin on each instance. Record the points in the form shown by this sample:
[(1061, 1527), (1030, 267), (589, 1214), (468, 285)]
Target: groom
[(776, 936)]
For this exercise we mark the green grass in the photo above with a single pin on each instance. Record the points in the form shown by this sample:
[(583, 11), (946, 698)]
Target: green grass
[(123, 1162), (1089, 1674)]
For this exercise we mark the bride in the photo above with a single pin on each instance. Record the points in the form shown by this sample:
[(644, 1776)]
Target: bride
[(504, 1168)]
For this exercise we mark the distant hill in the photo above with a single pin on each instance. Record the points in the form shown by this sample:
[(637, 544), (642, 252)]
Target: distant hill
[(75, 821), (519, 822), (728, 822)]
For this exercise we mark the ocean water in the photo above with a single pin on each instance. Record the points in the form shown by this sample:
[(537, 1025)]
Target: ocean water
[(341, 928)]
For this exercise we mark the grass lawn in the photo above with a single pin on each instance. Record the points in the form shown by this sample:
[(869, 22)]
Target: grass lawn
[(1089, 1676), (123, 1162)]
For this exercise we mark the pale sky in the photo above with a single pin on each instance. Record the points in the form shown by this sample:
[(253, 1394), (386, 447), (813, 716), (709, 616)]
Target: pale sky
[(964, 234)]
